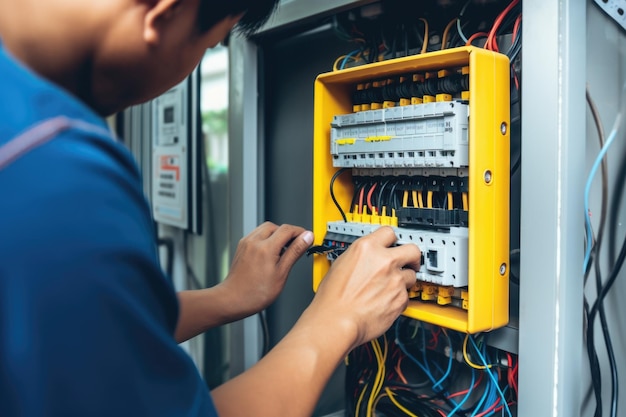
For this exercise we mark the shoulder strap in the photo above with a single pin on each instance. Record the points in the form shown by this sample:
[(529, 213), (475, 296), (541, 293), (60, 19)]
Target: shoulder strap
[(40, 134)]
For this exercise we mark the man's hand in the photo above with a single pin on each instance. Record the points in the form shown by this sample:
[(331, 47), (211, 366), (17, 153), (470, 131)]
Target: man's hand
[(367, 285), (257, 275), (363, 293), (263, 261)]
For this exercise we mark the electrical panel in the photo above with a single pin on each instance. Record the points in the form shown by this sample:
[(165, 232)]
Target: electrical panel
[(421, 144), (174, 159), (616, 9)]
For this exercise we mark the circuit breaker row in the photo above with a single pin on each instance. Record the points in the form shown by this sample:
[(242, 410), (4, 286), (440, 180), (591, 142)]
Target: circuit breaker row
[(418, 135), (443, 274)]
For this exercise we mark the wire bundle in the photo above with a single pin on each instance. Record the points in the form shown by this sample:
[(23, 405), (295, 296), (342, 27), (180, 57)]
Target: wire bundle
[(593, 246), (421, 375)]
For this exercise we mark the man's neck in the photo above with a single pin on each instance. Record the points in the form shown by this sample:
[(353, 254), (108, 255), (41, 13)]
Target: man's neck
[(46, 39)]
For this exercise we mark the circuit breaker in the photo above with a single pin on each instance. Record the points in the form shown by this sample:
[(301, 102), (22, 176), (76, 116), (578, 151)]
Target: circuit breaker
[(421, 144)]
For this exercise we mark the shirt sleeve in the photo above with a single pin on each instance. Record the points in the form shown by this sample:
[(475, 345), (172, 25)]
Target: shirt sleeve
[(86, 315)]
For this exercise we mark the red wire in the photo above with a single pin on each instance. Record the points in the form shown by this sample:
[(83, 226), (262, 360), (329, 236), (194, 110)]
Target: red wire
[(458, 394), (490, 409), (476, 36), (369, 198), (495, 410), (491, 40), (361, 194), (518, 21)]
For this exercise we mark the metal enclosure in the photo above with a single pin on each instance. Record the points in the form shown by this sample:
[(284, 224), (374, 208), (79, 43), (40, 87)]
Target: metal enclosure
[(553, 138), (567, 43)]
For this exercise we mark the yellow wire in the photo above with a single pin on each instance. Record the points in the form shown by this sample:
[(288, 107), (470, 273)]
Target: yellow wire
[(381, 396), (397, 404), (335, 68), (380, 377), (467, 359), (446, 32), (465, 202), (425, 45), (358, 403), (420, 198), (450, 201), (430, 199), (415, 202), (405, 199)]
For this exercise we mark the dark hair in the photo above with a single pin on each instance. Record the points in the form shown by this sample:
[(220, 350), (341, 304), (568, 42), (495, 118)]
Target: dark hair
[(256, 14)]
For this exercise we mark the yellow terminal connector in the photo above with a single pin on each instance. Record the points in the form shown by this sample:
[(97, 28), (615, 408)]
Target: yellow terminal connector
[(415, 291), (356, 216), (429, 292), (429, 99), (394, 218), (445, 295), (388, 104), (443, 97), (416, 100), (365, 217), (465, 95), (465, 298), (375, 218), (405, 101), (443, 73)]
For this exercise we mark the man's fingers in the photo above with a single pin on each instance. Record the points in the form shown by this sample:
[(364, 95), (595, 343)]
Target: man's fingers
[(409, 277), (284, 234), (384, 235), (263, 231), (296, 249), (408, 256)]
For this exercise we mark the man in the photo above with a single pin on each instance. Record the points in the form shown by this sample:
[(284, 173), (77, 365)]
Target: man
[(88, 323)]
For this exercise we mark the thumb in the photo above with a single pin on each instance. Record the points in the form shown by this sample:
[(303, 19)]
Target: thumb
[(295, 250)]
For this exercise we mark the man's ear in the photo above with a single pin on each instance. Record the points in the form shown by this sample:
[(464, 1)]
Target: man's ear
[(160, 11)]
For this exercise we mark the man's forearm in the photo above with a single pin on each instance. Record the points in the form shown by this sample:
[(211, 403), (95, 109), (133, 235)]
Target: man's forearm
[(290, 379), (201, 310)]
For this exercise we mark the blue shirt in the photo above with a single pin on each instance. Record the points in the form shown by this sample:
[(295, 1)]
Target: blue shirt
[(86, 315)]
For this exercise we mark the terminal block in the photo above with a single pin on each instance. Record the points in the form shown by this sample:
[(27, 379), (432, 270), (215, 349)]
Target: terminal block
[(425, 142), (444, 255), (420, 135)]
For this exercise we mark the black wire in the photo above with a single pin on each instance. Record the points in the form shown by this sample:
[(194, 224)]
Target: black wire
[(266, 332), (380, 196), (598, 273), (332, 193)]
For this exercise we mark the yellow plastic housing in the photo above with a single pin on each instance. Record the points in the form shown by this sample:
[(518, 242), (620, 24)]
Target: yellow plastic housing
[(485, 304)]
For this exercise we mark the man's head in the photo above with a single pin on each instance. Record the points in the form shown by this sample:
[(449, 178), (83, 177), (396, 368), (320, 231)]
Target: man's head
[(114, 53)]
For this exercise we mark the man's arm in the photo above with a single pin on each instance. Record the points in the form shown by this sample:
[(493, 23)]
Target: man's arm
[(358, 300), (257, 275)]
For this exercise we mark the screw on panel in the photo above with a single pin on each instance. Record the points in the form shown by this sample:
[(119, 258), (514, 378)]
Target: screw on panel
[(503, 128), (502, 269), (488, 177)]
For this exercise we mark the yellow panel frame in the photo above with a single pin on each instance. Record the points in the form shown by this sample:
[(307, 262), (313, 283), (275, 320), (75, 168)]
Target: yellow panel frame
[(489, 150)]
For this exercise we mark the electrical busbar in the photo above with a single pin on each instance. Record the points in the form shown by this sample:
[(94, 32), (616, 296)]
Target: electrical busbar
[(421, 144)]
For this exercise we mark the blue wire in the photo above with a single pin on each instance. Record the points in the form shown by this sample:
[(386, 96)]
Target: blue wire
[(469, 393), (406, 352), (594, 169), (345, 60), (493, 378), (443, 378), (495, 410), (413, 358), (482, 400)]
